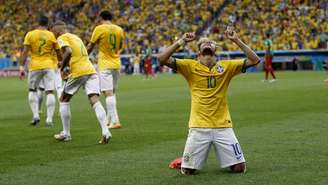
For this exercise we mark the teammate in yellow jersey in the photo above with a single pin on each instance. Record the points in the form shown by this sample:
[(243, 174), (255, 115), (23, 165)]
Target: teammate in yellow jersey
[(40, 43), (210, 122), (80, 73), (109, 39), (57, 79)]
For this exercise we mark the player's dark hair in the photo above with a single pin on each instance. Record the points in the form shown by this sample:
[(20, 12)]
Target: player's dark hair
[(43, 20), (106, 15), (58, 23), (268, 35)]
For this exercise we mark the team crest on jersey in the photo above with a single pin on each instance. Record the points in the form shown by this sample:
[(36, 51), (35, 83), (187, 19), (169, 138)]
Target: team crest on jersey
[(220, 69)]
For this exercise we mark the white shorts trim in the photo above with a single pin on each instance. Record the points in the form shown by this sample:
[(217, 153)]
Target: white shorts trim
[(199, 142), (89, 82)]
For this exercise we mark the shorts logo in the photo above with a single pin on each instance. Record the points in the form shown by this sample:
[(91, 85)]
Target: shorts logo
[(186, 157), (220, 69), (237, 151)]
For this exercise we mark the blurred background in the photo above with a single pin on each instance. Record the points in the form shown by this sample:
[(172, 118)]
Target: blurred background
[(298, 28)]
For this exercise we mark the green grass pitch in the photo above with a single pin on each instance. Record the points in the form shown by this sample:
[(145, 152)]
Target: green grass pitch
[(282, 128)]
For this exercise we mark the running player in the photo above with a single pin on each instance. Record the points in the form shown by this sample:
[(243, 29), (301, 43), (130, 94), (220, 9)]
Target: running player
[(81, 73), (109, 39), (210, 122), (268, 59), (40, 43)]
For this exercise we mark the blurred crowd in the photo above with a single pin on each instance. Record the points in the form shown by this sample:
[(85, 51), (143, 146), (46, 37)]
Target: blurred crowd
[(148, 24), (292, 24)]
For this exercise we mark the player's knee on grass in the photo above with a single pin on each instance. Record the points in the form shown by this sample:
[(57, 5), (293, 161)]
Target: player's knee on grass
[(238, 168), (93, 98), (188, 171)]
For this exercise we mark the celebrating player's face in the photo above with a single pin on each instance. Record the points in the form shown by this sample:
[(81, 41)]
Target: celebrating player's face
[(207, 48), (206, 59), (207, 52)]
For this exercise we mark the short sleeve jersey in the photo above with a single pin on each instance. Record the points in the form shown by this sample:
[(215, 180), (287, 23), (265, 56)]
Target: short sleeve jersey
[(79, 63), (268, 44), (208, 89), (109, 38), (42, 44)]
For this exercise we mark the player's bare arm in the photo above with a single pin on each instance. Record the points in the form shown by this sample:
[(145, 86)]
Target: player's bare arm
[(90, 47), (252, 58), (59, 56), (165, 58), (67, 53), (22, 60)]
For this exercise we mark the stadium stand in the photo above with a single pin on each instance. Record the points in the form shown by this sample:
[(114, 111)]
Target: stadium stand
[(294, 24), (158, 21)]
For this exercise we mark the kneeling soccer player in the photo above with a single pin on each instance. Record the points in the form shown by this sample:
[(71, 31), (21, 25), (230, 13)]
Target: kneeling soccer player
[(81, 73), (210, 122)]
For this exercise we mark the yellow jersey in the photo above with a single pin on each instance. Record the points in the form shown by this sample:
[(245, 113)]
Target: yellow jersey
[(208, 89), (109, 38), (79, 63), (42, 43), (136, 60)]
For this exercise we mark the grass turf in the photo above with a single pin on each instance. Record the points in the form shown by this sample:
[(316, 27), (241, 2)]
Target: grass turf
[(282, 128)]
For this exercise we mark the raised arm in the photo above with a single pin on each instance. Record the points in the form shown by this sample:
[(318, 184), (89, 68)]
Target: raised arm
[(165, 58), (252, 58)]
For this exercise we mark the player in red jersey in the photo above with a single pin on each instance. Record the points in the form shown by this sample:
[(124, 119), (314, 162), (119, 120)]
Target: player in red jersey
[(147, 66), (268, 59)]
